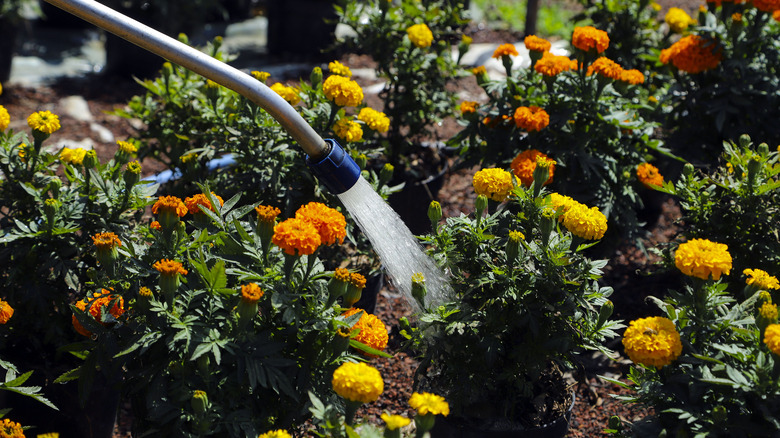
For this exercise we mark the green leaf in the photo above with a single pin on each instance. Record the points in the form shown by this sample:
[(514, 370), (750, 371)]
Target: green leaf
[(366, 349)]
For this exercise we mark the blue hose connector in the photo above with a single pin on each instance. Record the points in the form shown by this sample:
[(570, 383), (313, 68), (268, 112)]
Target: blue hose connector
[(337, 170)]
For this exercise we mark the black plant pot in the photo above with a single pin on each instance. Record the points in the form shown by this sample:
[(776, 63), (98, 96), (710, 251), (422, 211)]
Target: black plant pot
[(411, 203), (9, 32), (367, 301), (450, 427), (300, 27)]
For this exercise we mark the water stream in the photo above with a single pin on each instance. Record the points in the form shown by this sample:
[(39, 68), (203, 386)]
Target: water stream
[(400, 252)]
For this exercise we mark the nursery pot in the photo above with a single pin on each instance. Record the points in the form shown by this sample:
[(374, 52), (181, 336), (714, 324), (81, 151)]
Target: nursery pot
[(460, 427), (411, 203), (300, 27), (9, 31)]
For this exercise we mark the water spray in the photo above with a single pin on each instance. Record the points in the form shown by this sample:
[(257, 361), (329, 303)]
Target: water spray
[(400, 252)]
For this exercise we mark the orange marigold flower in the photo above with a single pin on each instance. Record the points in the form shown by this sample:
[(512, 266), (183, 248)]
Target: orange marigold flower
[(480, 70), (524, 164), (95, 306), (11, 429), (767, 5), (330, 224), (776, 15), (505, 50), (155, 225), (6, 312), (536, 44), (607, 68), (551, 65), (251, 293), (588, 38), (693, 54), (170, 204), (267, 213), (169, 267), (296, 236), (531, 118), (468, 107), (649, 175), (373, 331), (201, 199), (633, 76), (106, 241)]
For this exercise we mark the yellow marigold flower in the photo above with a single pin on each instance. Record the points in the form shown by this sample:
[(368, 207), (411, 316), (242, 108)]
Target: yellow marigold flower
[(493, 183), (289, 94), (468, 107), (11, 429), (652, 341), (342, 274), (48, 435), (767, 5), (373, 331), (261, 76), (44, 121), (193, 202), (126, 147), (329, 223), (73, 156), (656, 7), (267, 213), (703, 259), (342, 91), (761, 279), (606, 67), (678, 20), (551, 65), (107, 240), (586, 223), (768, 311), (772, 338), (6, 312), (251, 293), (169, 204), (531, 118), (296, 237), (357, 280), (480, 70), (169, 267), (5, 118), (145, 292), (505, 50), (649, 175), (524, 164), (358, 382), (279, 433), (376, 120), (340, 69), (420, 35), (211, 84), (348, 130), (633, 76), (588, 38), (134, 167), (393, 422), (186, 158), (693, 54), (426, 403), (536, 44)]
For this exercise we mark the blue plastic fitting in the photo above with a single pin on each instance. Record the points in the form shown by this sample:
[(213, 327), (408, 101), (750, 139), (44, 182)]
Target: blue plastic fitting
[(337, 170)]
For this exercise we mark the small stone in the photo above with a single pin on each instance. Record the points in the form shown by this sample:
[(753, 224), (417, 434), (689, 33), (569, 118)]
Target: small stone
[(76, 107)]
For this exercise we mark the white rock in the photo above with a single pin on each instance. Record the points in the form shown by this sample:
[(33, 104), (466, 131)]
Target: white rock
[(104, 134), (76, 107)]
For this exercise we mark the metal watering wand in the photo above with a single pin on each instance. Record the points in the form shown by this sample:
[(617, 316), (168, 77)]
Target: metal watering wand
[(327, 159)]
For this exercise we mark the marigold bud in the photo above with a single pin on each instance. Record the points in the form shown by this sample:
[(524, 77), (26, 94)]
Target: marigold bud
[(604, 313), (481, 204), (199, 402), (419, 291), (434, 214), (763, 149), (316, 77), (386, 174), (90, 159)]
